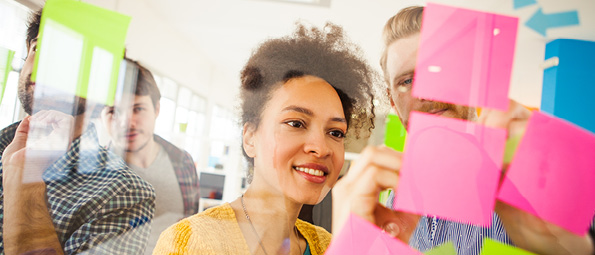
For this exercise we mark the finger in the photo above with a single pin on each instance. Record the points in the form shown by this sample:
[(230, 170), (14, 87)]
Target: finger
[(364, 196), (20, 138), (375, 155), (396, 223), (14, 152)]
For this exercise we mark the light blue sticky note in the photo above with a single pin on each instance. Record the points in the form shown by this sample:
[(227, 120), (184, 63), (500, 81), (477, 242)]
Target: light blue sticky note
[(541, 22), (569, 88), (522, 3)]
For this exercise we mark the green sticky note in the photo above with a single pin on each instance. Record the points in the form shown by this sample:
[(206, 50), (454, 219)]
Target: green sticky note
[(79, 49), (395, 133), (511, 144), (183, 127), (491, 247), (444, 249), (6, 57), (384, 195)]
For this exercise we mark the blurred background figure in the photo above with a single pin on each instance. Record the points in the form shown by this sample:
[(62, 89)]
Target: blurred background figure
[(169, 169)]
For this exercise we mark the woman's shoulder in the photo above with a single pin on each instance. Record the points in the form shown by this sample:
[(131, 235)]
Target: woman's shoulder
[(317, 237)]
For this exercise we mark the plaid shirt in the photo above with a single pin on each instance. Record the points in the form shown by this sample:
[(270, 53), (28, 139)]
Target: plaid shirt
[(186, 174), (98, 205)]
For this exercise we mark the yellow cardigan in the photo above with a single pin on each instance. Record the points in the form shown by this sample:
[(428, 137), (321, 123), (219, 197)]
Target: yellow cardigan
[(216, 231)]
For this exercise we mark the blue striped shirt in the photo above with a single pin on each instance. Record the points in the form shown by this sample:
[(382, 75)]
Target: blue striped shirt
[(466, 238)]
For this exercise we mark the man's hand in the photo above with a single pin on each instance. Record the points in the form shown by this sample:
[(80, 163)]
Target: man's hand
[(377, 169), (28, 226), (524, 229), (531, 233), (514, 120)]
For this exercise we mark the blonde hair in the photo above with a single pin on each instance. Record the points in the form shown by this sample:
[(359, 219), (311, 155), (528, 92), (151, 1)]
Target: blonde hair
[(405, 23)]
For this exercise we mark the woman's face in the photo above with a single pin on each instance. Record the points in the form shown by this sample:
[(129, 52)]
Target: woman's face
[(298, 146)]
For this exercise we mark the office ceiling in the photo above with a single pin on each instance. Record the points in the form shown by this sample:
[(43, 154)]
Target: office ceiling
[(207, 41)]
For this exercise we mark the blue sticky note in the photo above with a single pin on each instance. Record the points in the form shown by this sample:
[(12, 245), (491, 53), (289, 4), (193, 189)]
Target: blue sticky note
[(569, 88), (522, 3), (541, 22)]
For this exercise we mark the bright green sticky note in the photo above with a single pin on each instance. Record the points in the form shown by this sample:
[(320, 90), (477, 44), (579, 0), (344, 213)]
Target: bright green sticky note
[(6, 57), (395, 133), (491, 247), (384, 195), (183, 127), (445, 249), (511, 144), (79, 49)]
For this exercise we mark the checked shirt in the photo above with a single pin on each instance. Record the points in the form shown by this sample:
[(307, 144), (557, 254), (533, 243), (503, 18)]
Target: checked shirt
[(185, 173), (98, 205)]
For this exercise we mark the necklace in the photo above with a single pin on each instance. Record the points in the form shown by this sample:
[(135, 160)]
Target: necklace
[(256, 233), (298, 239), (252, 225)]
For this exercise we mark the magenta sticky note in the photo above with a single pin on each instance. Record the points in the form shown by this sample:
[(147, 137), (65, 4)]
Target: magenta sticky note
[(359, 236), (552, 174), (451, 169), (465, 57)]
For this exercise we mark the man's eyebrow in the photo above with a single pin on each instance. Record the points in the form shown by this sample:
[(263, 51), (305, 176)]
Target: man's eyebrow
[(144, 104)]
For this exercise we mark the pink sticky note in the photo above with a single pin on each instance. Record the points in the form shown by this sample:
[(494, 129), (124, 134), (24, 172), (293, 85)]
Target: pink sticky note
[(465, 57), (552, 174), (359, 236), (451, 169)]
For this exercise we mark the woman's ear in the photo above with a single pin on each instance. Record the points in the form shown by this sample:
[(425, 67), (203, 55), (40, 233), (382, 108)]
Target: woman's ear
[(248, 139)]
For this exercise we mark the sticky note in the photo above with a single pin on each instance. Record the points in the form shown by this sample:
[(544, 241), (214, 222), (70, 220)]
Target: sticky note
[(491, 247), (465, 57), (568, 88), (361, 237), (80, 48), (451, 169), (552, 174), (6, 57), (522, 3), (444, 249), (510, 149), (396, 133)]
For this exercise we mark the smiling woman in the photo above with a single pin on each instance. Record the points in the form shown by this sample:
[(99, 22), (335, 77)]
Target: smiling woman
[(301, 95)]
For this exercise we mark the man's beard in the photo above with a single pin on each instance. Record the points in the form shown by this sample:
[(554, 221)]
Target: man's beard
[(458, 111), (53, 99), (25, 93)]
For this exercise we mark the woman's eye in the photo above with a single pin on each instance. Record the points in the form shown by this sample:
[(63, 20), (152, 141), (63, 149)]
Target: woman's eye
[(337, 133), (295, 124)]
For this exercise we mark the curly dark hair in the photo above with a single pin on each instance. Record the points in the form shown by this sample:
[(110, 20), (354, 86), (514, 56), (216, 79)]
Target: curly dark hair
[(325, 53)]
